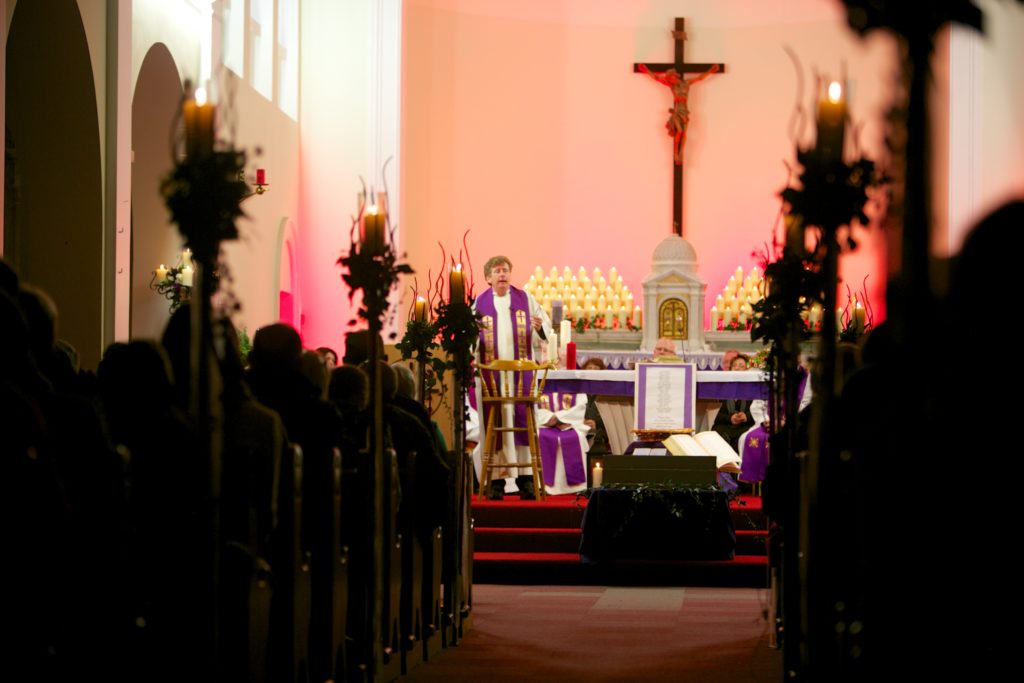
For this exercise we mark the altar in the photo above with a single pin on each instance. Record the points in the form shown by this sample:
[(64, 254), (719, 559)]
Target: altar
[(614, 391)]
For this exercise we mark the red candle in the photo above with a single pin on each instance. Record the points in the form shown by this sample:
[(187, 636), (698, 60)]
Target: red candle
[(570, 356), (261, 176)]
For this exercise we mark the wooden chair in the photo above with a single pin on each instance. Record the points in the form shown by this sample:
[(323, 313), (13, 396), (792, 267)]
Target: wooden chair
[(511, 383)]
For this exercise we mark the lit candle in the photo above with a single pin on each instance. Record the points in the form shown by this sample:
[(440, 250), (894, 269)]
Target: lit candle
[(373, 232), (456, 285), (859, 318), (538, 273), (566, 273), (565, 332), (420, 310), (638, 318), (261, 176), (608, 316), (814, 316), (186, 257), (831, 123), (730, 286), (581, 274), (553, 273), (161, 273), (199, 119), (613, 274), (714, 318), (623, 315), (596, 476), (739, 274), (186, 276)]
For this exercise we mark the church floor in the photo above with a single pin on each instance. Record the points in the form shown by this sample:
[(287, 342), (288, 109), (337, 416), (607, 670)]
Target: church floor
[(594, 633)]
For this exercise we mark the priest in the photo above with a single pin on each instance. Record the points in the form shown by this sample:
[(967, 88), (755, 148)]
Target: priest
[(563, 441), (511, 324)]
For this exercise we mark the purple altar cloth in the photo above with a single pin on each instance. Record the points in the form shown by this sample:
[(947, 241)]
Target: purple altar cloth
[(621, 383)]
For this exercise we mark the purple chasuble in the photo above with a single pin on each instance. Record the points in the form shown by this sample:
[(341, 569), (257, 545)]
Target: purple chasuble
[(550, 437), (522, 346), (755, 455)]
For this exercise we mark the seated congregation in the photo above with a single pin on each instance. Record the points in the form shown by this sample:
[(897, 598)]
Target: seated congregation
[(131, 537)]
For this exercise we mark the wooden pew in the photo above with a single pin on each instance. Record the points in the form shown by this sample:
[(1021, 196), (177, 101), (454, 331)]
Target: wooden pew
[(431, 596), (411, 600), (289, 648), (246, 576), (390, 666), (328, 568)]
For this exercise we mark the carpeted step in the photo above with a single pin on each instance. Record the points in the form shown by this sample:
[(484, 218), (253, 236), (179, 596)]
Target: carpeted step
[(483, 558), (555, 512), (751, 542), (526, 540)]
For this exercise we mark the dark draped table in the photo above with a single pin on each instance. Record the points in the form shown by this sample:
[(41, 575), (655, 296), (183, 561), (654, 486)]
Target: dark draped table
[(657, 524)]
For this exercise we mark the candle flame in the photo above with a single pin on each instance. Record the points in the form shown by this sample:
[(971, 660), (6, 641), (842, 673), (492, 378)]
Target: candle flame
[(419, 299), (201, 96), (835, 92), (458, 267), (372, 209)]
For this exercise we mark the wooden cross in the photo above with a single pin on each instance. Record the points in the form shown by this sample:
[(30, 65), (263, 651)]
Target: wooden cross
[(674, 76)]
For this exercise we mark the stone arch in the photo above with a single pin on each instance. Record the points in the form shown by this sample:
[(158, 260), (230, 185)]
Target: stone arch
[(155, 240), (55, 236)]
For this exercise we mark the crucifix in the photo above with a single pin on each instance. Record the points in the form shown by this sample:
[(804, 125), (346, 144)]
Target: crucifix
[(673, 76)]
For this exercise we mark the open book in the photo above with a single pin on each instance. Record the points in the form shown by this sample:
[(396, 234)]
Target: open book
[(705, 443)]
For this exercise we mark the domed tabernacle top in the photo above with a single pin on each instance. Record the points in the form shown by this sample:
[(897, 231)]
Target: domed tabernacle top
[(675, 252)]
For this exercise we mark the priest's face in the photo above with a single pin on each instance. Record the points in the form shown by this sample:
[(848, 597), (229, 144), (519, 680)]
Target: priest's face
[(500, 278)]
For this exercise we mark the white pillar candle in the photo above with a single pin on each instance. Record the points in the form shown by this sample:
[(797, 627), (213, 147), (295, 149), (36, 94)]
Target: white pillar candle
[(638, 318), (186, 276), (186, 258), (596, 476), (565, 333), (623, 316), (161, 273), (714, 318)]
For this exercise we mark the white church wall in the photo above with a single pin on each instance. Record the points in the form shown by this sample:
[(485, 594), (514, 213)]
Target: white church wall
[(348, 116)]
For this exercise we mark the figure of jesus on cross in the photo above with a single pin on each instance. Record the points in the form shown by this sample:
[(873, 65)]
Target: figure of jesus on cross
[(673, 75), (679, 114)]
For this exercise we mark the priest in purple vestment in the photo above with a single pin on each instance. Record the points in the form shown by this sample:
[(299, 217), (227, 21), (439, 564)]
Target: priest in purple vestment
[(511, 323), (753, 444), (563, 441)]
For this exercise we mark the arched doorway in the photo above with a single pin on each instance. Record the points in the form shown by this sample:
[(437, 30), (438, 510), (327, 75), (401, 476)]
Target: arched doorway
[(155, 240), (54, 228)]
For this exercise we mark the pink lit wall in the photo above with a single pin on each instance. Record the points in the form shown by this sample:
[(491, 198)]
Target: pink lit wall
[(524, 124)]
